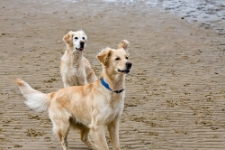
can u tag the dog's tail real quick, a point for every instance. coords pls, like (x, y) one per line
(34, 99)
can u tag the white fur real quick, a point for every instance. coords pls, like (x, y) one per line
(34, 99)
(75, 69)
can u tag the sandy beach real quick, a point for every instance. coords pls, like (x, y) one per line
(175, 93)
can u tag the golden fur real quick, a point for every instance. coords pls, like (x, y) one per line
(74, 67)
(88, 107)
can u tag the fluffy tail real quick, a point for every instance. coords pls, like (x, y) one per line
(34, 99)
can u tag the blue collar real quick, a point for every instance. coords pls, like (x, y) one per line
(107, 86)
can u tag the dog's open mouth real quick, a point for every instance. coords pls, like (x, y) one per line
(124, 71)
(80, 49)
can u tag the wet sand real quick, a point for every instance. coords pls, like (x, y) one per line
(174, 93)
(205, 13)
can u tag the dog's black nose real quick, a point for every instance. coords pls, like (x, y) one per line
(82, 44)
(129, 64)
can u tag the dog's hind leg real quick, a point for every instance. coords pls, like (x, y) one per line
(61, 127)
(63, 140)
(84, 137)
(62, 134)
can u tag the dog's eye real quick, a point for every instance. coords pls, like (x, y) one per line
(126, 57)
(83, 38)
(76, 38)
(117, 58)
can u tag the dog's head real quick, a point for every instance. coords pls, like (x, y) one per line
(76, 40)
(116, 61)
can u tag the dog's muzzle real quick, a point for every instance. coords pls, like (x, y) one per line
(82, 44)
(127, 70)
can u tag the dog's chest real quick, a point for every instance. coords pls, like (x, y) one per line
(117, 101)
(78, 75)
(115, 107)
(77, 71)
(75, 76)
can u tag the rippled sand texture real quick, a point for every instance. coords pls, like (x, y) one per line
(174, 93)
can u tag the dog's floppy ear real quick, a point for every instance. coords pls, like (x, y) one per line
(104, 55)
(124, 44)
(68, 38)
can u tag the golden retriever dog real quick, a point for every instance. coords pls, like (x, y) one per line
(90, 107)
(74, 67)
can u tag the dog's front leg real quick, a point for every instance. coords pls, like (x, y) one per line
(99, 137)
(84, 137)
(113, 129)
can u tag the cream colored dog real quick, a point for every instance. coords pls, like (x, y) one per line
(89, 107)
(75, 69)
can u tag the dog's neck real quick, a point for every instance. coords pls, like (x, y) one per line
(75, 57)
(116, 82)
